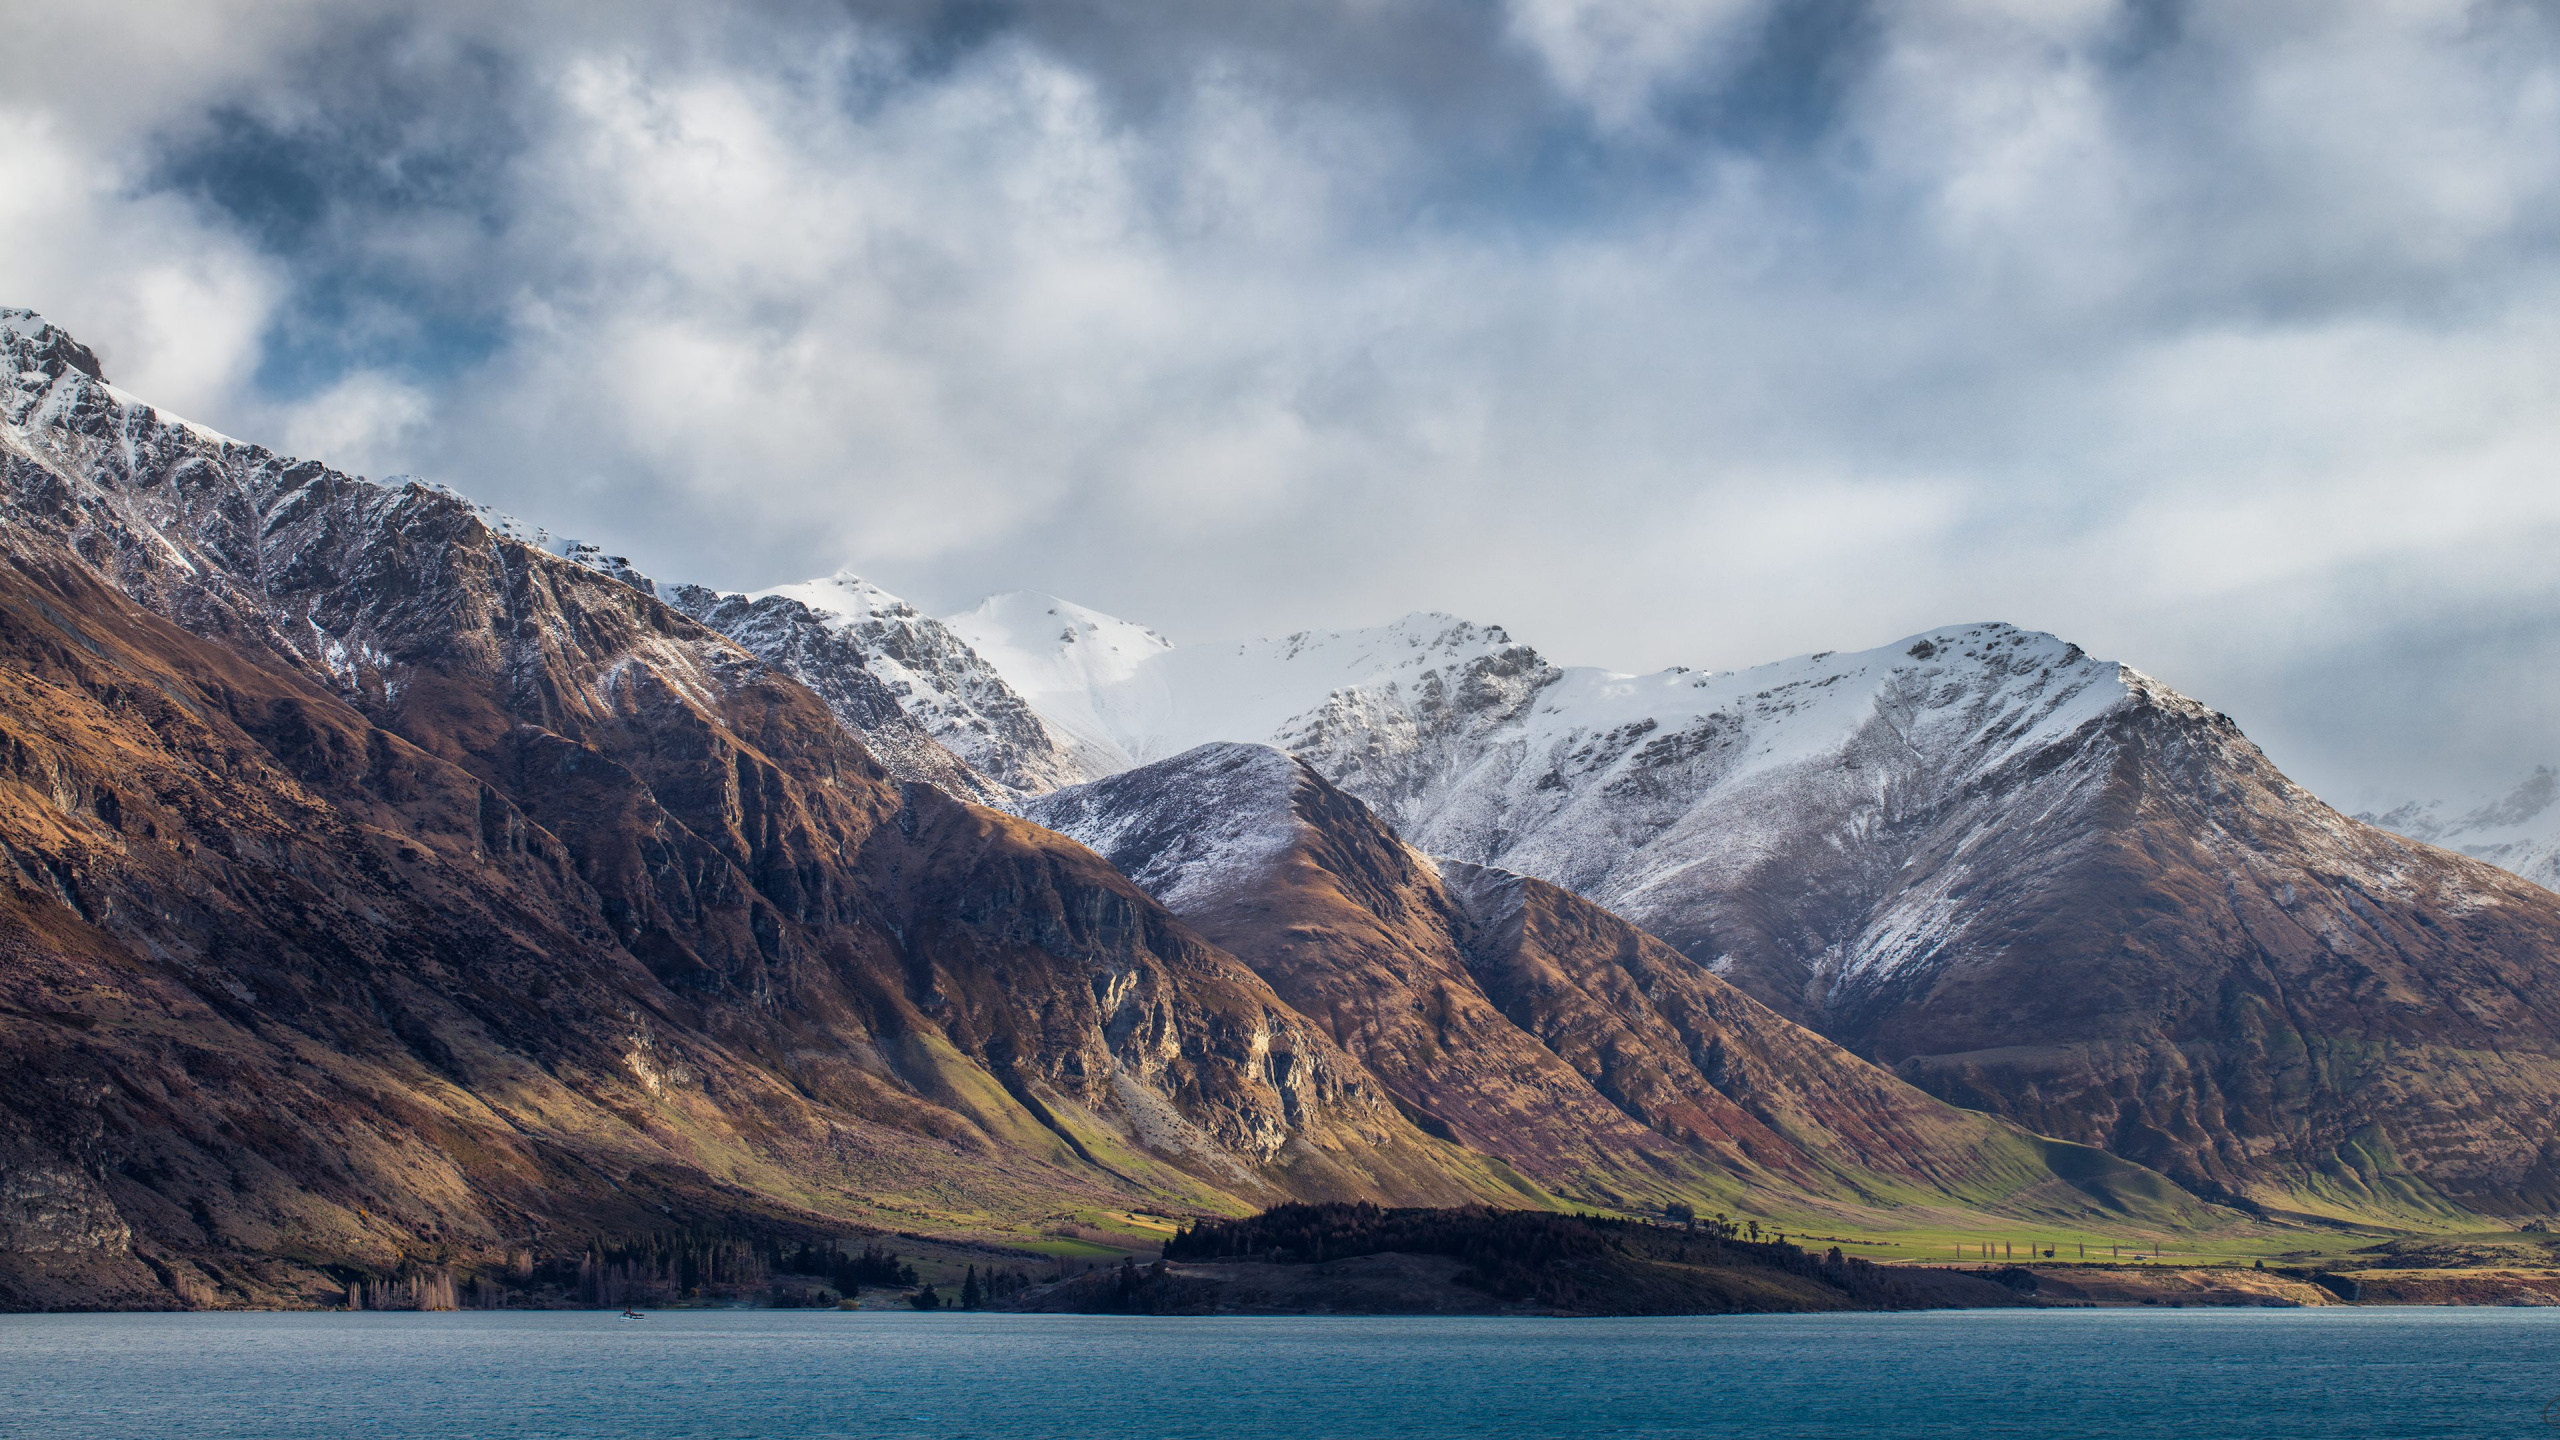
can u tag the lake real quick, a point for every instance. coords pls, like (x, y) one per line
(2391, 1374)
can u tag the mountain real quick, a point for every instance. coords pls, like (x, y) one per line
(1531, 1024)
(2518, 830)
(1136, 698)
(919, 697)
(381, 890)
(388, 887)
(2031, 881)
(1074, 667)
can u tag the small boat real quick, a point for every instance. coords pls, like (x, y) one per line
(633, 1315)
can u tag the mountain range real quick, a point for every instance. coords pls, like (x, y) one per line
(2516, 829)
(390, 883)
(2027, 880)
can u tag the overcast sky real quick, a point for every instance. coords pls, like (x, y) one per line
(2222, 339)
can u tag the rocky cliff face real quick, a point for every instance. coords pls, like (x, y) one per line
(380, 887)
(1532, 1024)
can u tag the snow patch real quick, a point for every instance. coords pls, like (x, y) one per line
(1188, 830)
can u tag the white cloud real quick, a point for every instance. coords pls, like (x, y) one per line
(364, 422)
(1616, 56)
(173, 306)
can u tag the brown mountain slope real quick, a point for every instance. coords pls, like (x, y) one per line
(1532, 1024)
(2181, 955)
(427, 895)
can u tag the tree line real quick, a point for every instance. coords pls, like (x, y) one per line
(614, 1272)
(1573, 1262)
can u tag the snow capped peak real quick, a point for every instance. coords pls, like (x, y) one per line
(1636, 790)
(1076, 643)
(584, 554)
(1133, 697)
(1387, 695)
(1088, 674)
(1417, 641)
(587, 555)
(37, 347)
(843, 599)
(927, 703)
(50, 380)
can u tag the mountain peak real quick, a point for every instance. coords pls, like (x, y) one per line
(1022, 618)
(843, 598)
(40, 345)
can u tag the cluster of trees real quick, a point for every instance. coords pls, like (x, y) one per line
(849, 1270)
(655, 1269)
(975, 1293)
(1574, 1262)
(1718, 1226)
(614, 1272)
(421, 1286)
(1315, 1233)
(1512, 1254)
(426, 1290)
(660, 1268)
(1135, 1289)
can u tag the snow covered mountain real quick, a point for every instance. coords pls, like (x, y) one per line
(1078, 668)
(1028, 693)
(2034, 882)
(2518, 831)
(1657, 795)
(925, 703)
(1136, 698)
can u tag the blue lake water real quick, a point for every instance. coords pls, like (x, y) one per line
(784, 1375)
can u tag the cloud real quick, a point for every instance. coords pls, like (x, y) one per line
(1616, 56)
(362, 422)
(1688, 331)
(175, 305)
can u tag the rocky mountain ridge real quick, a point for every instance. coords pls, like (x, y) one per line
(924, 703)
(563, 899)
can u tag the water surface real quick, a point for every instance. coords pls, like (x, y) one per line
(2338, 1374)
